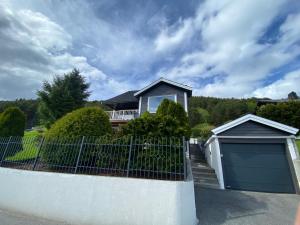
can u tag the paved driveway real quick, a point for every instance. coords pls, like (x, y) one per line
(245, 208)
(11, 218)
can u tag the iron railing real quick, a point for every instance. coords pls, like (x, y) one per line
(140, 157)
(122, 114)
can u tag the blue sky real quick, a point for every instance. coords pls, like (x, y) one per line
(227, 48)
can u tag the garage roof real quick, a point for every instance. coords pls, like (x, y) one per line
(257, 119)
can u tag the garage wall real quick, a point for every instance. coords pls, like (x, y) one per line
(213, 157)
(251, 128)
(96, 200)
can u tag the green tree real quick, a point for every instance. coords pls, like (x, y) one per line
(65, 94)
(287, 113)
(202, 130)
(12, 122)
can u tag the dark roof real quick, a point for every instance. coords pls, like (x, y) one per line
(125, 97)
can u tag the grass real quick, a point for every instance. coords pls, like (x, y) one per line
(298, 144)
(30, 148)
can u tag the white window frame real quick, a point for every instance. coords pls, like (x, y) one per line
(148, 109)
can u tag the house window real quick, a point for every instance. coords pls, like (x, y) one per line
(154, 101)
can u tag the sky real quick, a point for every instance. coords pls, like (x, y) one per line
(222, 48)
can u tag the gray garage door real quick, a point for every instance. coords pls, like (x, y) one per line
(256, 167)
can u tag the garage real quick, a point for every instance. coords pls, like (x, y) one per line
(254, 154)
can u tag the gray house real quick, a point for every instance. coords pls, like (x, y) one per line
(132, 104)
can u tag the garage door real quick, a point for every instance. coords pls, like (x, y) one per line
(256, 167)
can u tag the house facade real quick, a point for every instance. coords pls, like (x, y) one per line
(132, 104)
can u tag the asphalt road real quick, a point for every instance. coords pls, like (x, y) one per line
(241, 207)
(11, 218)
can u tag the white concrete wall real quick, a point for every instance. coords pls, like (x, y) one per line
(83, 199)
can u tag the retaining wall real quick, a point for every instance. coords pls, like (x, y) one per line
(97, 200)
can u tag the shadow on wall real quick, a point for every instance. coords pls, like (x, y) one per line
(219, 206)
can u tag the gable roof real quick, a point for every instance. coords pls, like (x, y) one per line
(125, 97)
(188, 88)
(257, 119)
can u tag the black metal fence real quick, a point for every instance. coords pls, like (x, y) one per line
(140, 157)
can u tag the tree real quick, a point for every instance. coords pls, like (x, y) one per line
(286, 112)
(64, 95)
(292, 96)
(12, 122)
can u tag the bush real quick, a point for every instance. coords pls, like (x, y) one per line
(198, 115)
(156, 126)
(12, 122)
(202, 130)
(90, 121)
(172, 109)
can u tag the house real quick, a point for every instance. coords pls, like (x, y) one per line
(132, 104)
(254, 154)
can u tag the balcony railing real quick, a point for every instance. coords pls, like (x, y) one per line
(123, 115)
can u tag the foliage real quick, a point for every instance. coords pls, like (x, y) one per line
(287, 113)
(12, 122)
(64, 95)
(202, 130)
(29, 107)
(292, 96)
(170, 120)
(298, 144)
(198, 115)
(172, 109)
(219, 110)
(88, 121)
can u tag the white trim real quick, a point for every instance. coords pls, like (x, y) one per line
(258, 119)
(175, 100)
(185, 102)
(292, 148)
(140, 105)
(220, 168)
(166, 81)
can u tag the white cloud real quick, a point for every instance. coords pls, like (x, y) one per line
(229, 47)
(282, 87)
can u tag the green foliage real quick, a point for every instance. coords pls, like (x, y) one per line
(198, 115)
(29, 107)
(287, 113)
(89, 121)
(218, 110)
(12, 122)
(202, 130)
(170, 120)
(64, 95)
(172, 109)
(298, 145)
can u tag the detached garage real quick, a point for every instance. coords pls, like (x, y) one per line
(254, 154)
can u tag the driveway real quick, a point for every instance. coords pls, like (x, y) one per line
(11, 218)
(243, 207)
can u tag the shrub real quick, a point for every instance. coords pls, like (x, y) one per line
(202, 130)
(173, 109)
(156, 126)
(198, 115)
(89, 121)
(12, 122)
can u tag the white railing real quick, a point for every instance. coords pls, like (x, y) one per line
(123, 114)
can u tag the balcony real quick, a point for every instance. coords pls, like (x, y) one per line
(122, 115)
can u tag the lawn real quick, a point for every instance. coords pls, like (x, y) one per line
(298, 144)
(30, 147)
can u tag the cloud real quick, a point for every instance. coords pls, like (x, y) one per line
(281, 88)
(230, 50)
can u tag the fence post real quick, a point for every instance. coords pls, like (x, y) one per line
(80, 151)
(129, 157)
(184, 156)
(38, 153)
(5, 150)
